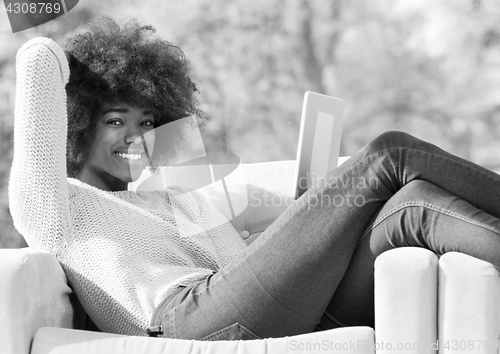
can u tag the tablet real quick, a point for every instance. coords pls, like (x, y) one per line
(319, 140)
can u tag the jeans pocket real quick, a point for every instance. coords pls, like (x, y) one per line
(235, 331)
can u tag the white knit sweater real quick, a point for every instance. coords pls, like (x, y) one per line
(123, 252)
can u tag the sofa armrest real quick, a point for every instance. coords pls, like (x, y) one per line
(406, 301)
(33, 293)
(469, 305)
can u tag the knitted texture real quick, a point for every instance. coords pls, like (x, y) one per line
(123, 252)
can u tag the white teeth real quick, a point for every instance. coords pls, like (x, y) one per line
(129, 156)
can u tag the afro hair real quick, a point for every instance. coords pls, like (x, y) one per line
(131, 65)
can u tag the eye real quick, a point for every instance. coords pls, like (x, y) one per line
(148, 123)
(114, 121)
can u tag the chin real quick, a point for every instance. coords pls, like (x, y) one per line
(134, 174)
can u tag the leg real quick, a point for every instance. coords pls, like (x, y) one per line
(419, 215)
(396, 158)
(282, 283)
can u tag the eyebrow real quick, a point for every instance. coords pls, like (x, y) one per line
(115, 110)
(123, 110)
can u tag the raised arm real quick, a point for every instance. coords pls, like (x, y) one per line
(38, 188)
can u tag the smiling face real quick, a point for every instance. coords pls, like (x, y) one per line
(118, 155)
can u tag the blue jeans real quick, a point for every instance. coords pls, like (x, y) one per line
(312, 269)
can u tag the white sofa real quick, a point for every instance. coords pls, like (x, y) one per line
(422, 303)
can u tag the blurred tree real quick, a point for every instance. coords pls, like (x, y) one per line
(431, 68)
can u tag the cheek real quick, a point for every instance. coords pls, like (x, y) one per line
(102, 148)
(150, 138)
(96, 146)
(107, 140)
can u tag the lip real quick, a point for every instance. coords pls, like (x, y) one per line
(130, 152)
(138, 160)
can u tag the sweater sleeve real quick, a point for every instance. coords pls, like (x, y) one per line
(38, 187)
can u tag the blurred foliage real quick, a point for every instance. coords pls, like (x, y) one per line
(431, 68)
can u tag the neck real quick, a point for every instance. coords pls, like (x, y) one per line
(106, 183)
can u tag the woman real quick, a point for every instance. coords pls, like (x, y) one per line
(164, 263)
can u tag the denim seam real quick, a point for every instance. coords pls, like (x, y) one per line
(401, 148)
(429, 206)
(205, 289)
(171, 322)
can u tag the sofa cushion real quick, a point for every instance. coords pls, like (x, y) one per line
(355, 340)
(271, 190)
(33, 292)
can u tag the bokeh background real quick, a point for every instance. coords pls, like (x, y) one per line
(428, 67)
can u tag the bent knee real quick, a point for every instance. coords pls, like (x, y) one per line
(418, 187)
(391, 139)
(421, 191)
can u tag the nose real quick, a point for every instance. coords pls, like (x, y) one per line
(133, 136)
